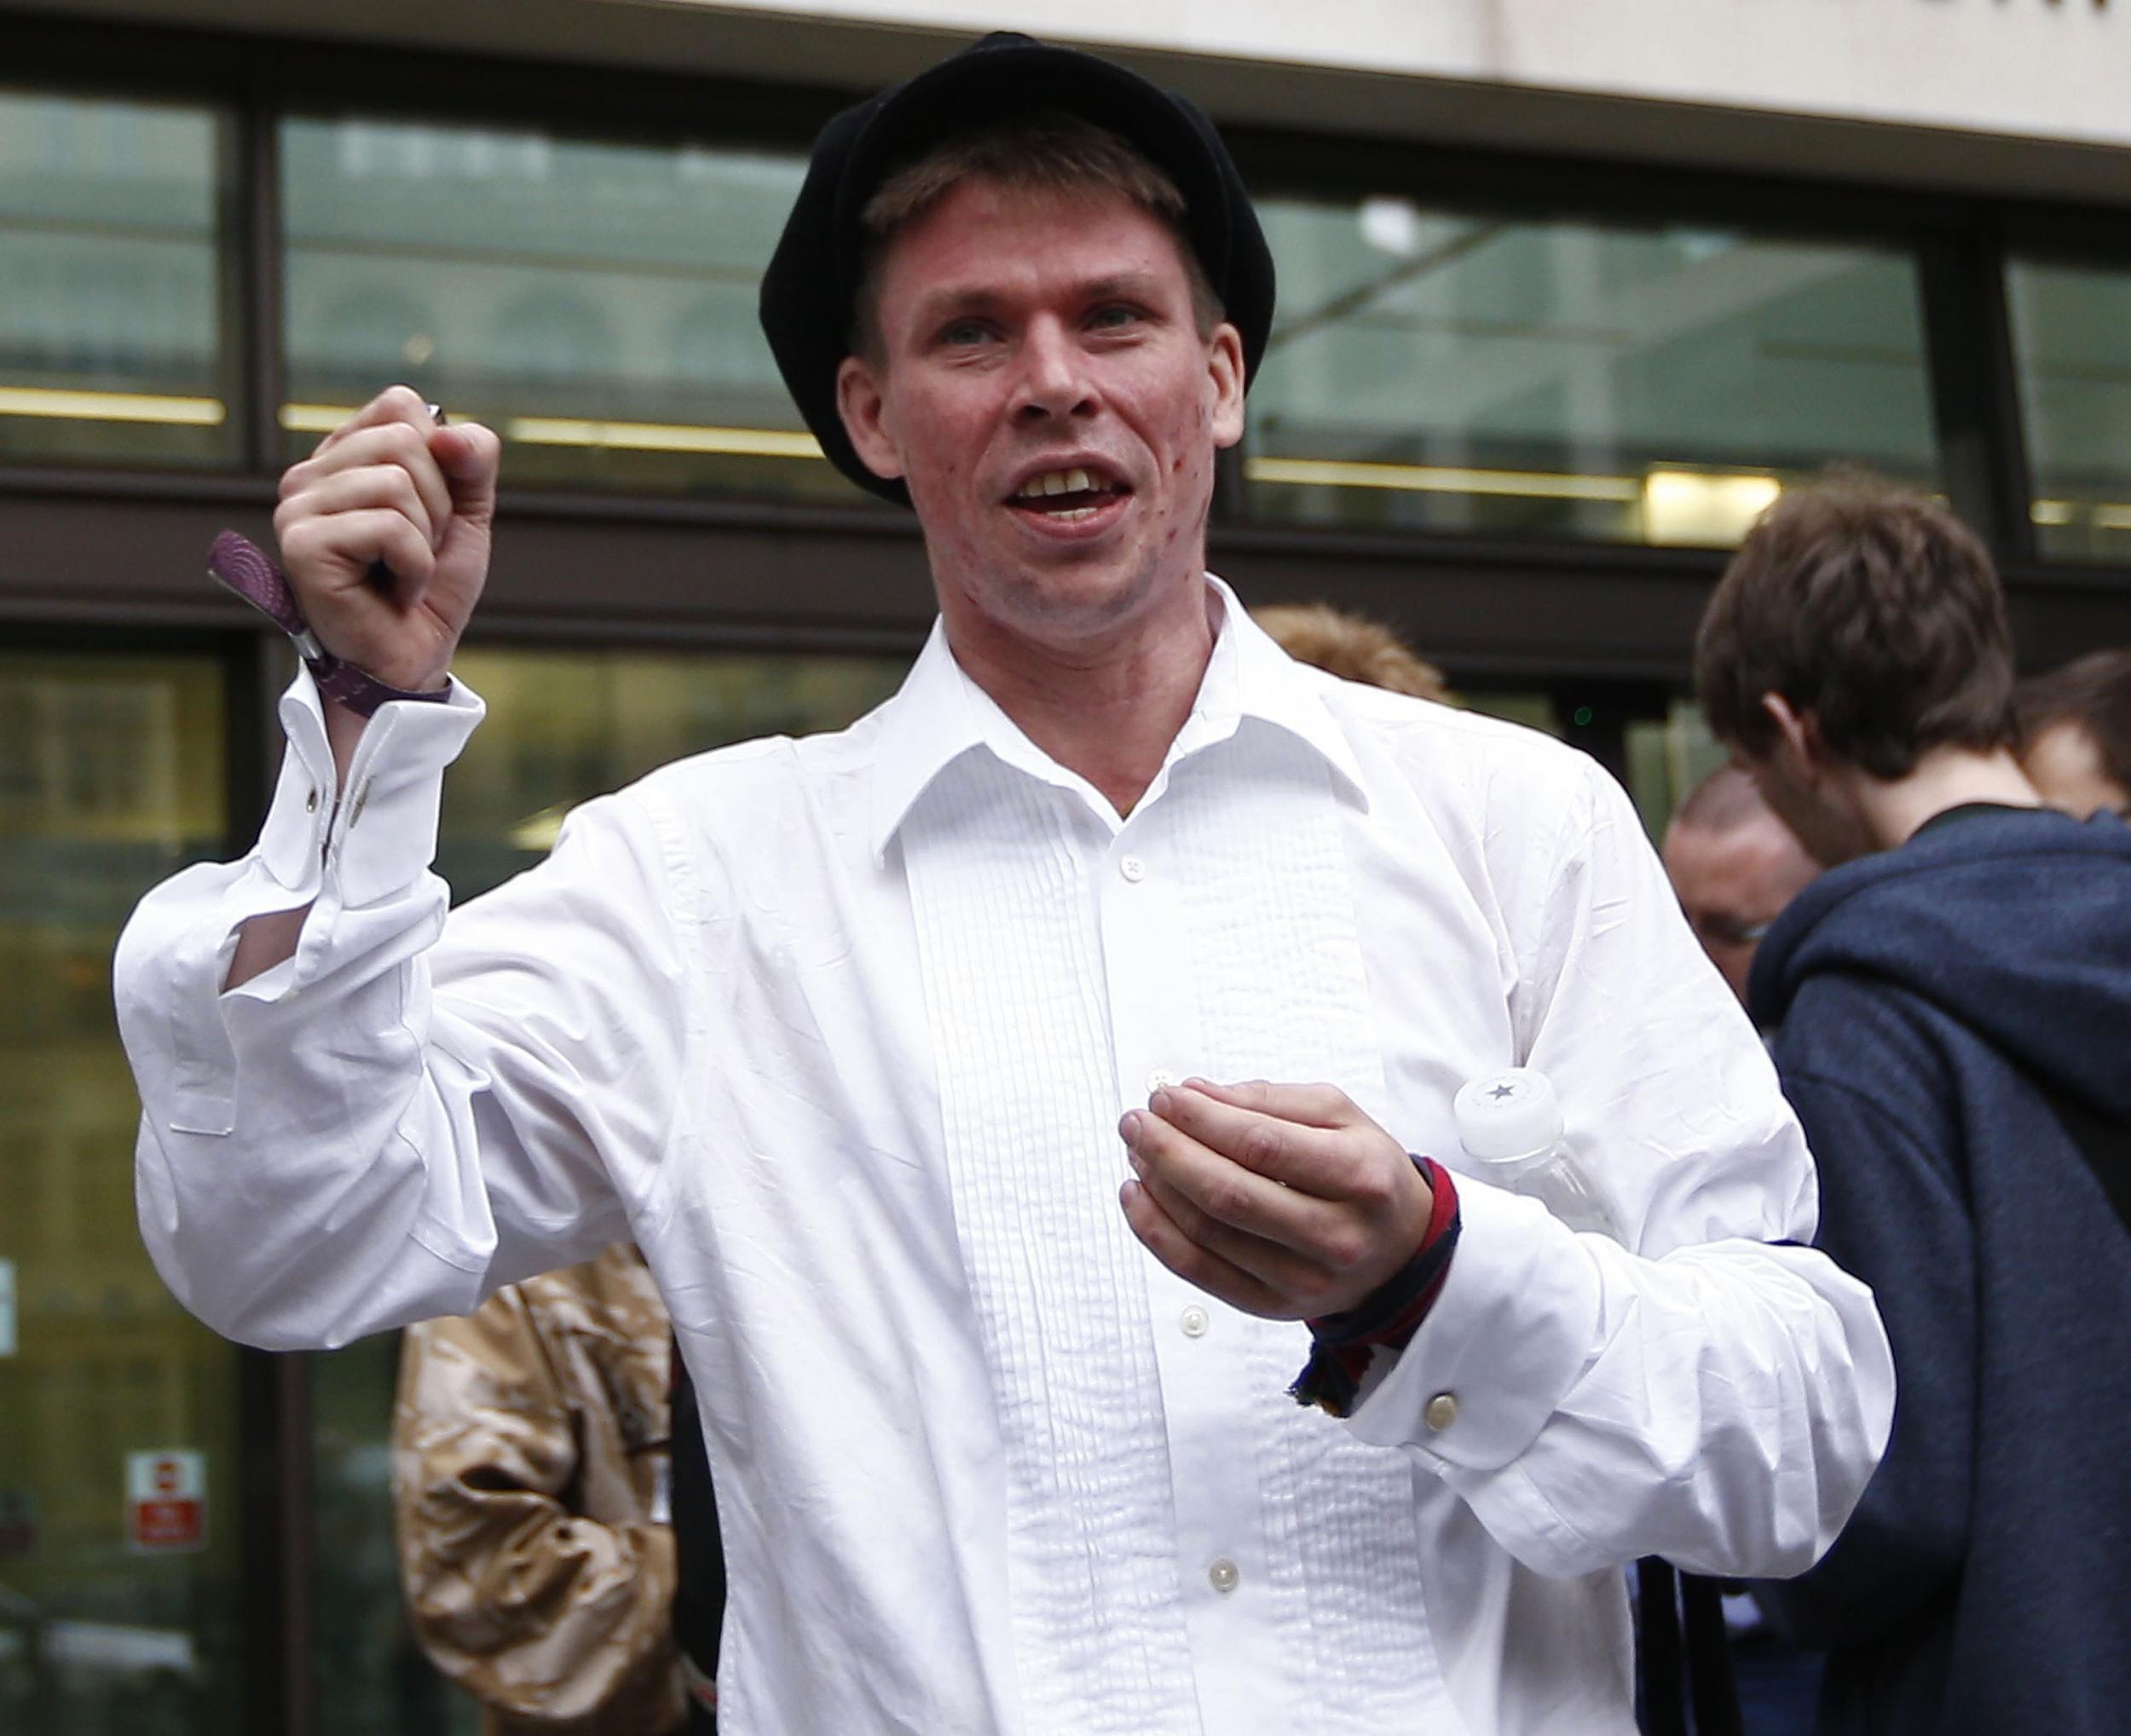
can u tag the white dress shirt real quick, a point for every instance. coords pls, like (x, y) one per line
(838, 1031)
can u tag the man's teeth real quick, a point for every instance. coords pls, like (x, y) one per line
(1076, 481)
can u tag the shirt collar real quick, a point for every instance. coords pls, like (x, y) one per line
(939, 714)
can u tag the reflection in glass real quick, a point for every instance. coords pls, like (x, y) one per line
(594, 303)
(1454, 372)
(2071, 340)
(561, 727)
(1666, 758)
(110, 333)
(110, 780)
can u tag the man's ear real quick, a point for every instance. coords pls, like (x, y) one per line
(1798, 733)
(863, 405)
(1224, 363)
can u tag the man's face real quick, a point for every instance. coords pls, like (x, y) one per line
(1733, 882)
(1044, 391)
(2063, 764)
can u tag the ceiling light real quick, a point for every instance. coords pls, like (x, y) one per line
(1441, 479)
(111, 406)
(1706, 509)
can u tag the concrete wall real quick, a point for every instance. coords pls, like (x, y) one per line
(2021, 97)
(2052, 69)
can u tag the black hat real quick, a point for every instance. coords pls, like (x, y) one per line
(807, 291)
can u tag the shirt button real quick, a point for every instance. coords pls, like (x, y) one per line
(310, 802)
(1133, 869)
(1223, 1576)
(1441, 1411)
(1194, 1320)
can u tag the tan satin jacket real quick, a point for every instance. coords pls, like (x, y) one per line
(529, 1478)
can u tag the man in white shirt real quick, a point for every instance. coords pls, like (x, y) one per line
(889, 1048)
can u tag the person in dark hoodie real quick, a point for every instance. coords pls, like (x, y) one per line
(1952, 1000)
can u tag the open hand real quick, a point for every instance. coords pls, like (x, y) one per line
(390, 486)
(1286, 1201)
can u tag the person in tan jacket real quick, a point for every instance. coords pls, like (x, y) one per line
(529, 1468)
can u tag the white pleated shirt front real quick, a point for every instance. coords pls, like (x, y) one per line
(839, 1030)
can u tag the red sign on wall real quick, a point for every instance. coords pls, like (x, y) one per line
(166, 1500)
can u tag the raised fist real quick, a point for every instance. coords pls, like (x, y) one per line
(384, 533)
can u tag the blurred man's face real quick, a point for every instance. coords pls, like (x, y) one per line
(1733, 882)
(2063, 764)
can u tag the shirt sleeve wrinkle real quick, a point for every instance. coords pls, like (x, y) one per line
(1709, 1397)
(414, 1108)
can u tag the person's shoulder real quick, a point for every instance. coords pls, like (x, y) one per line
(1512, 804)
(1447, 745)
(1872, 1038)
(747, 784)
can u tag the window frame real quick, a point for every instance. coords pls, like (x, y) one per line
(1959, 241)
(2079, 240)
(1624, 197)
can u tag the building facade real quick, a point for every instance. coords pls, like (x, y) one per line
(1569, 290)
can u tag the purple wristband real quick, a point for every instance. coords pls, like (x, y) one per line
(245, 568)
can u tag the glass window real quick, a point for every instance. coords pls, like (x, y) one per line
(1463, 373)
(111, 778)
(2071, 341)
(594, 302)
(110, 284)
(562, 726)
(1666, 758)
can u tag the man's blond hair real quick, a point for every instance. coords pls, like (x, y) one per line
(1050, 151)
(1351, 648)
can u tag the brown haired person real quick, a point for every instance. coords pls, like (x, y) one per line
(900, 1052)
(1950, 1000)
(2076, 734)
(529, 1475)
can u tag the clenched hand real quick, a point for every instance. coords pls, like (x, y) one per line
(390, 486)
(1285, 1200)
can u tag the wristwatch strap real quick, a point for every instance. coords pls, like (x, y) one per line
(246, 568)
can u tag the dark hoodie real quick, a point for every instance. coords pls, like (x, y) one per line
(1942, 1008)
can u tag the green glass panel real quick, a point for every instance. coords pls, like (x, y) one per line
(111, 348)
(594, 303)
(2071, 337)
(110, 780)
(1461, 373)
(562, 726)
(1666, 758)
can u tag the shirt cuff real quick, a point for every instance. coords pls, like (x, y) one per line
(1344, 1348)
(1513, 1330)
(379, 834)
